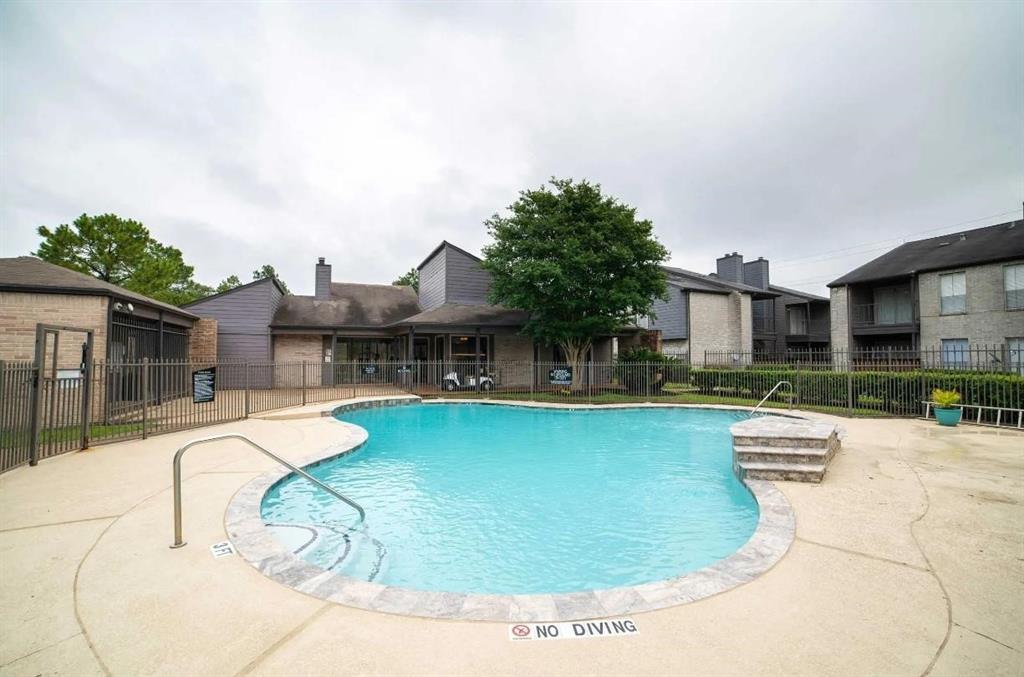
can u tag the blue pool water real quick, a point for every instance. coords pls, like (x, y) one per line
(503, 499)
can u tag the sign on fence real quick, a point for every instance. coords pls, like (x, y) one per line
(204, 385)
(560, 376)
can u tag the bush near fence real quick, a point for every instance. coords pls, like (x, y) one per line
(898, 393)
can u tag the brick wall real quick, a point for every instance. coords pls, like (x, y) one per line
(513, 348)
(293, 348)
(21, 311)
(986, 322)
(719, 323)
(202, 341)
(840, 318)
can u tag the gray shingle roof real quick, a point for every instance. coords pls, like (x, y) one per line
(350, 305)
(796, 292)
(469, 314)
(29, 274)
(688, 279)
(991, 244)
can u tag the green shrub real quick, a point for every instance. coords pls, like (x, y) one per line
(945, 399)
(645, 372)
(899, 392)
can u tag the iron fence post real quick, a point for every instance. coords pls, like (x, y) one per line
(145, 396)
(849, 390)
(302, 367)
(87, 373)
(246, 382)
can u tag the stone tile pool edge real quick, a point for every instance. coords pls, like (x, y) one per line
(244, 524)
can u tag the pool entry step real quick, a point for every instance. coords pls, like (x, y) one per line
(779, 448)
(335, 547)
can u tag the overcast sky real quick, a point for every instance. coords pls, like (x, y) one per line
(815, 135)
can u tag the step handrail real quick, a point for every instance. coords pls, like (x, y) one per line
(770, 393)
(178, 542)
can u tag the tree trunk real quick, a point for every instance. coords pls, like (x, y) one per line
(575, 352)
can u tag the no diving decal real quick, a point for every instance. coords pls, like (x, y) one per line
(612, 627)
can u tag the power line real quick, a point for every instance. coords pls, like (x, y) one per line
(826, 254)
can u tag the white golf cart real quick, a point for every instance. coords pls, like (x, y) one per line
(451, 382)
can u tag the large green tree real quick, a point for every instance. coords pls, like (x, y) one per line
(122, 252)
(410, 279)
(579, 262)
(266, 271)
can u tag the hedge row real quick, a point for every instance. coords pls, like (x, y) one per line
(895, 392)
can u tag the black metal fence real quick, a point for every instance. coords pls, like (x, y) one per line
(996, 358)
(42, 416)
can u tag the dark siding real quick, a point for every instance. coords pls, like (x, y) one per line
(432, 281)
(322, 282)
(730, 267)
(466, 281)
(243, 320)
(671, 315)
(755, 273)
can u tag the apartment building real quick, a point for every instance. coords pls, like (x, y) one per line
(956, 293)
(736, 310)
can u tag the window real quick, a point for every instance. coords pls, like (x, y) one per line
(1013, 283)
(953, 293)
(797, 320)
(464, 348)
(955, 352)
(1015, 346)
(893, 305)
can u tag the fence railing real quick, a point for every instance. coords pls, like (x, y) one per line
(41, 417)
(994, 358)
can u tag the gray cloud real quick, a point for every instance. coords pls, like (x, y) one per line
(276, 133)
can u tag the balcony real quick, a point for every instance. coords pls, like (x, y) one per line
(801, 329)
(764, 325)
(884, 318)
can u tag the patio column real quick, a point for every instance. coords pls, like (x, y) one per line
(334, 354)
(476, 350)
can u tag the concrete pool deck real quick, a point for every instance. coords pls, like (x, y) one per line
(908, 557)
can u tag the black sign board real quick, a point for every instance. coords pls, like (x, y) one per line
(560, 376)
(204, 385)
(369, 369)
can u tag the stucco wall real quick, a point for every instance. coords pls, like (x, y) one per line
(20, 312)
(986, 322)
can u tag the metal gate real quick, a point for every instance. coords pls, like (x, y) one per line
(61, 394)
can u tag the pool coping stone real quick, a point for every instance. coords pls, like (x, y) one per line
(243, 521)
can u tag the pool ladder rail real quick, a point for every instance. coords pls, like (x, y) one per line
(178, 542)
(770, 393)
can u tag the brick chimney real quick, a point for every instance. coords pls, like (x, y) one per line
(755, 273)
(323, 280)
(730, 267)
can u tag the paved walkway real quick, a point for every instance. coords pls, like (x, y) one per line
(908, 558)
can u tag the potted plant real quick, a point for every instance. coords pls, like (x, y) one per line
(946, 411)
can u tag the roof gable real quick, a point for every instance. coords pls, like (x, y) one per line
(254, 283)
(438, 248)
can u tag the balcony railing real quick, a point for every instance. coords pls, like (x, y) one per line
(764, 325)
(800, 326)
(882, 314)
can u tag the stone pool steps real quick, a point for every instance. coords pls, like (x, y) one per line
(780, 449)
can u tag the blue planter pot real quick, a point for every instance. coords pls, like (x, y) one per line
(949, 416)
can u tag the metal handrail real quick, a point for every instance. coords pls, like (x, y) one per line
(178, 542)
(770, 393)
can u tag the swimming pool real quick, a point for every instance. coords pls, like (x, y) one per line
(491, 499)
